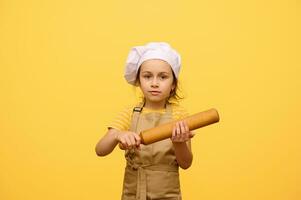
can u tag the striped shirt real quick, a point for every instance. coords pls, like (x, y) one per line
(123, 119)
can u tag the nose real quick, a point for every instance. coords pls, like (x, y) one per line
(154, 82)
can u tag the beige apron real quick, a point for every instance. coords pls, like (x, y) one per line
(152, 172)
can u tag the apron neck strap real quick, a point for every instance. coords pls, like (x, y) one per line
(141, 105)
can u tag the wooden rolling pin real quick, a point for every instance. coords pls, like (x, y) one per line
(164, 131)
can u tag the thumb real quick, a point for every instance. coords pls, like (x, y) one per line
(191, 134)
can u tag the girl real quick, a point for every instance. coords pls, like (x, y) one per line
(151, 170)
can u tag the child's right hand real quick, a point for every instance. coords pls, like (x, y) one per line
(128, 140)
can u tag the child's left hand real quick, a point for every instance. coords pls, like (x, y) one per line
(180, 132)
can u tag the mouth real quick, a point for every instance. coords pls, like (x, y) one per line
(155, 93)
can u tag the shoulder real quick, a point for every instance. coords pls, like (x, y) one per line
(127, 110)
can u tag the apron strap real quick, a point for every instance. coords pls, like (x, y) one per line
(135, 115)
(168, 108)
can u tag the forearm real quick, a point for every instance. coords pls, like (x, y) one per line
(107, 144)
(183, 154)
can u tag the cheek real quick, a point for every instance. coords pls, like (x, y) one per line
(143, 85)
(168, 87)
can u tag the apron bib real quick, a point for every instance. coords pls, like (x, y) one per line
(152, 172)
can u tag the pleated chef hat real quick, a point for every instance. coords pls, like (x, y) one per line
(152, 50)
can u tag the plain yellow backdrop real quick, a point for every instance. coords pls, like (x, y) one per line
(61, 82)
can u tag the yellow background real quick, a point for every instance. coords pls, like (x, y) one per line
(61, 81)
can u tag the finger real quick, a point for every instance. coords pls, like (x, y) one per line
(175, 131)
(137, 139)
(128, 142)
(187, 136)
(123, 142)
(186, 126)
(183, 131)
(173, 135)
(178, 130)
(181, 126)
(121, 145)
(180, 133)
(132, 139)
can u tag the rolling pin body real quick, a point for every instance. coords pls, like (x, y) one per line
(164, 131)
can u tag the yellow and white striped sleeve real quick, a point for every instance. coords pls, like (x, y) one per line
(122, 120)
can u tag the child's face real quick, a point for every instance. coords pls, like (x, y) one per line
(156, 80)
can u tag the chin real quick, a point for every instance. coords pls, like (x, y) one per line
(156, 99)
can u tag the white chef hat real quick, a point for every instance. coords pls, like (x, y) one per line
(152, 50)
